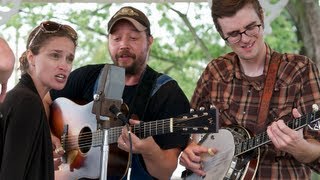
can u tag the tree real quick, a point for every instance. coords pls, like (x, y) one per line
(306, 17)
(189, 43)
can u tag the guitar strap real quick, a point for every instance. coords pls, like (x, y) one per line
(267, 91)
(150, 82)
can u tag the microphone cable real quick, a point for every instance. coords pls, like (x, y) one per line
(114, 110)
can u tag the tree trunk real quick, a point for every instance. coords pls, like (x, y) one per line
(306, 16)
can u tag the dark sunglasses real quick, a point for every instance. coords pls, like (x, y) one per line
(53, 27)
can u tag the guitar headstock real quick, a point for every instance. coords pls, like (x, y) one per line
(197, 121)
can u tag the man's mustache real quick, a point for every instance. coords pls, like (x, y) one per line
(125, 53)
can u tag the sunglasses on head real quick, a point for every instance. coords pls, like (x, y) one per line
(51, 27)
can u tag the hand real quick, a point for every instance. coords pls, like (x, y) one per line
(124, 141)
(58, 151)
(191, 159)
(3, 91)
(139, 146)
(289, 140)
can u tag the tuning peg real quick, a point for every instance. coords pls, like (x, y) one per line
(315, 107)
(212, 106)
(191, 110)
(201, 108)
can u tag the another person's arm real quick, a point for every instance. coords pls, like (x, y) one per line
(6, 66)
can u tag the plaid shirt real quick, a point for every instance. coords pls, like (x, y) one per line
(237, 97)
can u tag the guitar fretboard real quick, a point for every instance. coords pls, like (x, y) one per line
(263, 138)
(142, 130)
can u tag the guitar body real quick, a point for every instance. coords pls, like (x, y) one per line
(224, 165)
(76, 126)
(77, 121)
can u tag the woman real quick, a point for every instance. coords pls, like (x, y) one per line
(25, 141)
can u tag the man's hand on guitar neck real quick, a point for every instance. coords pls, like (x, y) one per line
(191, 157)
(292, 141)
(160, 163)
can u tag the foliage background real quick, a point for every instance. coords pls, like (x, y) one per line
(185, 37)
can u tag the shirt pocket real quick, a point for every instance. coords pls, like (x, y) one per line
(284, 100)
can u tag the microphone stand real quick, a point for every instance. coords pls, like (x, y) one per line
(104, 155)
(108, 91)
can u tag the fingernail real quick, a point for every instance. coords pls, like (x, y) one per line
(210, 152)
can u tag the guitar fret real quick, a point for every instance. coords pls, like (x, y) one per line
(144, 130)
(154, 129)
(263, 138)
(150, 129)
(162, 126)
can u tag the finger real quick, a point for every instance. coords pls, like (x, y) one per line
(193, 166)
(58, 152)
(121, 143)
(133, 121)
(188, 163)
(192, 153)
(281, 134)
(287, 134)
(55, 142)
(296, 113)
(57, 163)
(212, 151)
(272, 137)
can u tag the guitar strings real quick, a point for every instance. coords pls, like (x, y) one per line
(263, 138)
(88, 139)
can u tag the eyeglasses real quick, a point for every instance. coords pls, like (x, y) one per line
(236, 37)
(51, 27)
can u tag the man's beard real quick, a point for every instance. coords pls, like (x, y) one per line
(132, 69)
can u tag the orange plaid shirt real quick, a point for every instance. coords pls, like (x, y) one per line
(237, 97)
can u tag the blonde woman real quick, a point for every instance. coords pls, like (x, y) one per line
(25, 141)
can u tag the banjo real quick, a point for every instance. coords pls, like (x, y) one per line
(238, 152)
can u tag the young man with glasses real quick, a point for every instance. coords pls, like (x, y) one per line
(236, 84)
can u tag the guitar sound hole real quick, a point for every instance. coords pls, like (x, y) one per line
(85, 139)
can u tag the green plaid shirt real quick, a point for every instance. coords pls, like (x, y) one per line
(237, 97)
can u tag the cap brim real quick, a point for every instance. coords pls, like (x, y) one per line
(135, 23)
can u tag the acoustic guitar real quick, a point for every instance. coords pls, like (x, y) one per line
(76, 127)
(238, 151)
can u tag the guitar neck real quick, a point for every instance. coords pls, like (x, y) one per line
(141, 130)
(263, 138)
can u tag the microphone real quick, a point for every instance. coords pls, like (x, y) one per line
(109, 90)
(114, 110)
(107, 102)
